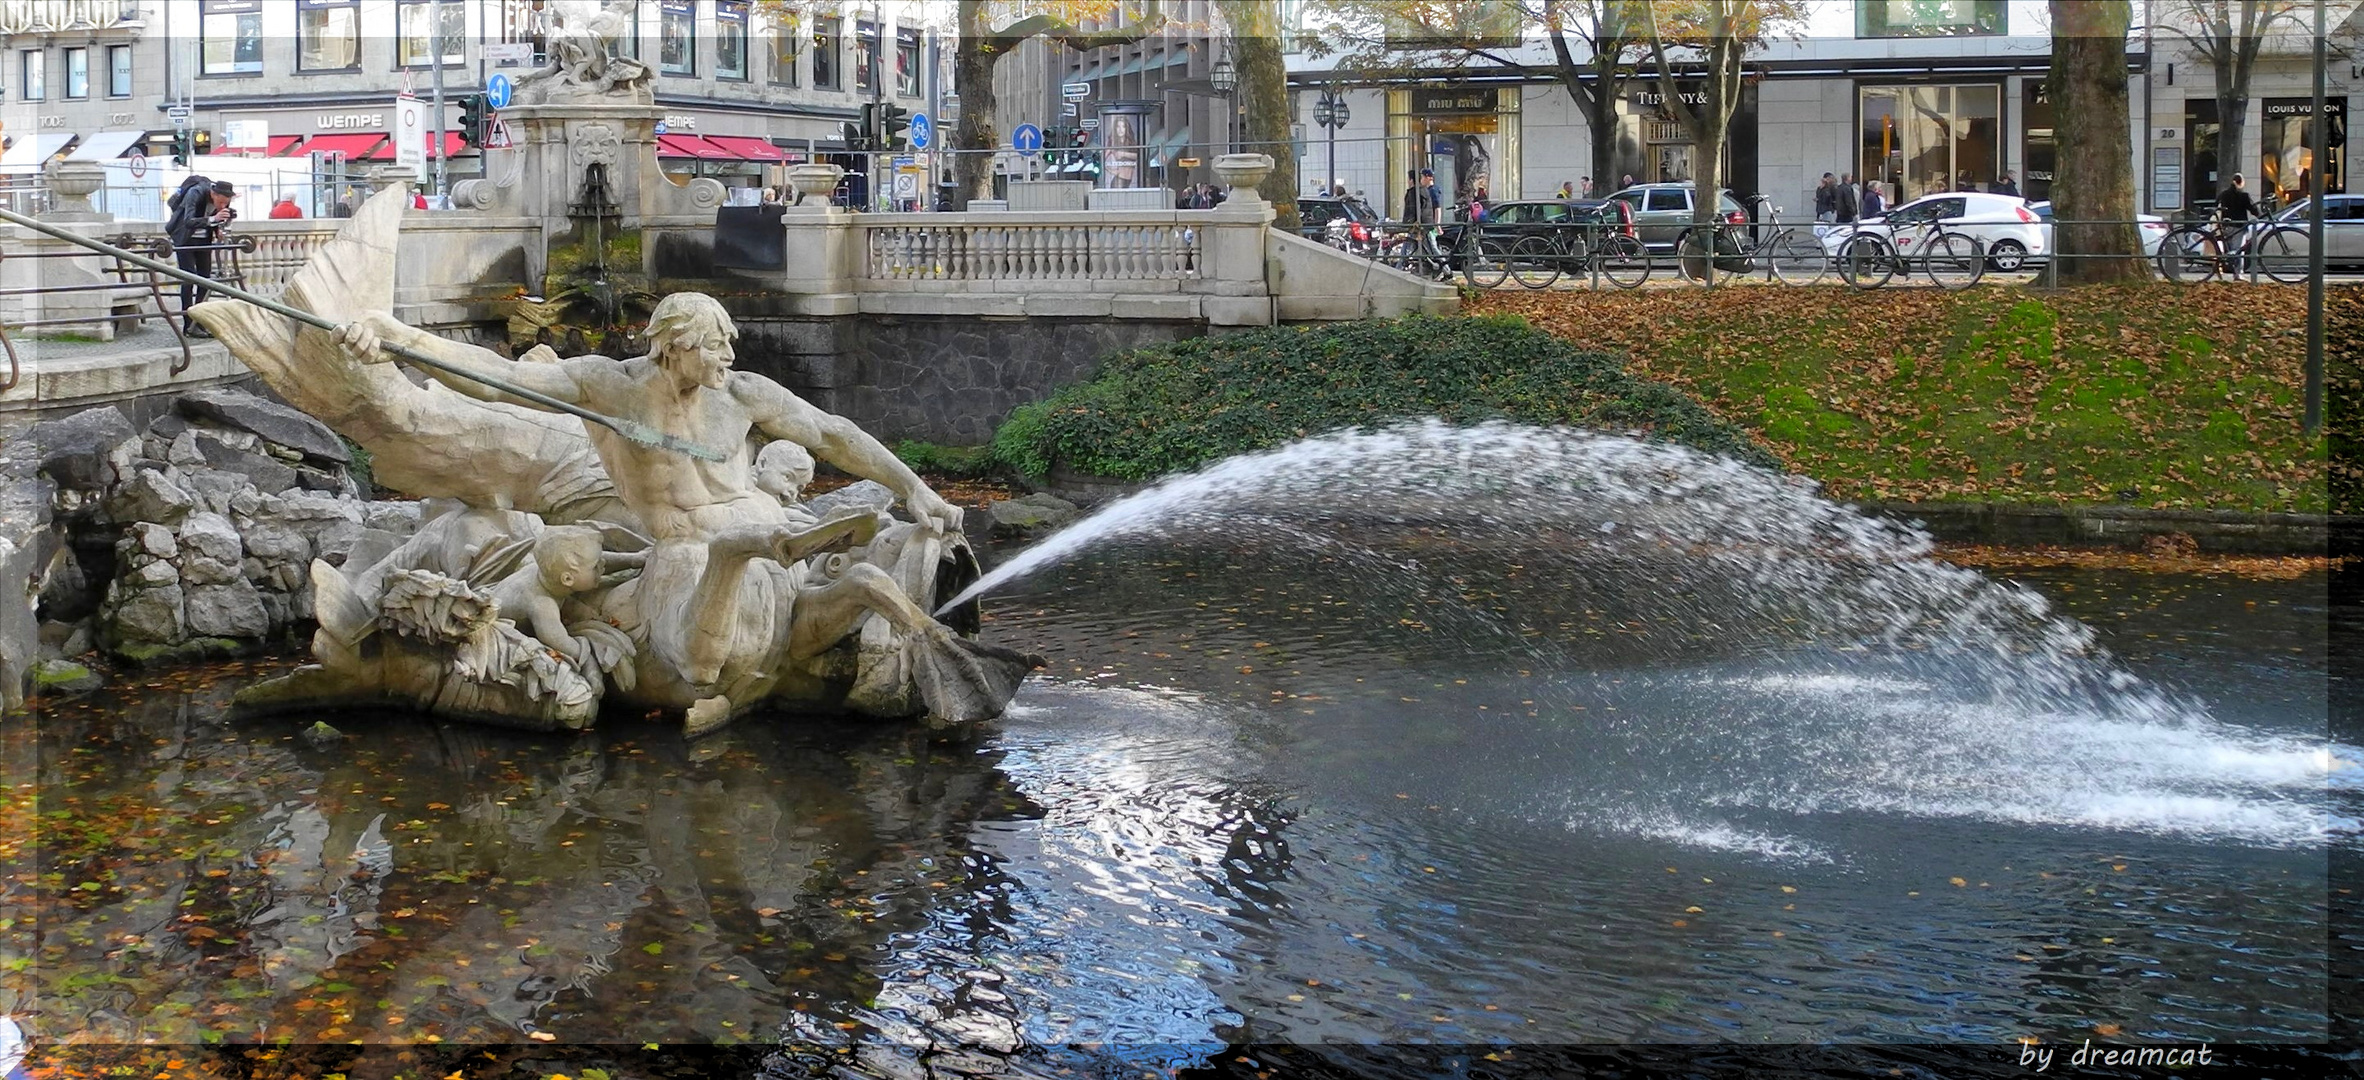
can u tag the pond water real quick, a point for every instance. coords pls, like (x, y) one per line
(1245, 803)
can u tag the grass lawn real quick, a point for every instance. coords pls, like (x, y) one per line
(2156, 395)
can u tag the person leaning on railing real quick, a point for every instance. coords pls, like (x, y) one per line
(200, 211)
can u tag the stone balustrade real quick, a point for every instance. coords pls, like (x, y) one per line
(934, 249)
(281, 247)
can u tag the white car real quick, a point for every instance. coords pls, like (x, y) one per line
(2154, 228)
(2011, 232)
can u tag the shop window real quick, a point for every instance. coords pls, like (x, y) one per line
(418, 32)
(907, 62)
(2291, 150)
(2203, 171)
(677, 38)
(328, 35)
(866, 56)
(35, 68)
(78, 73)
(1928, 18)
(828, 31)
(230, 37)
(730, 39)
(118, 71)
(1918, 140)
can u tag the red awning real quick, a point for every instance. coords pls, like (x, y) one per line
(278, 145)
(453, 146)
(691, 146)
(748, 147)
(355, 145)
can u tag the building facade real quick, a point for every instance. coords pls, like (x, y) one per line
(1922, 97)
(1145, 113)
(746, 87)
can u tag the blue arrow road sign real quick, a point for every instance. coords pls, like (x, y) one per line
(1026, 139)
(923, 131)
(496, 92)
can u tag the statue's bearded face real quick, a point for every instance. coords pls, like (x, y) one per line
(702, 354)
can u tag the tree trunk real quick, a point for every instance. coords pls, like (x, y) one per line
(973, 57)
(1263, 98)
(2093, 180)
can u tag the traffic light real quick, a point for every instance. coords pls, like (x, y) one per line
(851, 133)
(1080, 138)
(181, 148)
(869, 127)
(893, 121)
(200, 141)
(475, 109)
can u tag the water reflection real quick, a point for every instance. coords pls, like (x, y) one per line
(1247, 804)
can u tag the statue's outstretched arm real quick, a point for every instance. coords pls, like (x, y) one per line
(835, 439)
(364, 335)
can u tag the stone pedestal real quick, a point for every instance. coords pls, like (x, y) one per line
(554, 149)
(51, 264)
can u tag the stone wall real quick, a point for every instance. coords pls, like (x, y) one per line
(937, 379)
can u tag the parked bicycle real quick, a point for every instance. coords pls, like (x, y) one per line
(1949, 258)
(1593, 249)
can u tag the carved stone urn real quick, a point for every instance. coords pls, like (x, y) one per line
(814, 179)
(71, 184)
(1242, 172)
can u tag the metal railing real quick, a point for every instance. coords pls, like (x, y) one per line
(129, 287)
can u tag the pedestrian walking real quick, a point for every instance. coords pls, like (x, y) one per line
(1873, 205)
(286, 208)
(2007, 186)
(1826, 200)
(1846, 201)
(1584, 189)
(1419, 198)
(200, 211)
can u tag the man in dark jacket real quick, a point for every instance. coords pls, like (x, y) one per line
(1826, 199)
(2007, 185)
(1846, 201)
(200, 211)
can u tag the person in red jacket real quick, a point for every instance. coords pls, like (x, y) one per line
(286, 208)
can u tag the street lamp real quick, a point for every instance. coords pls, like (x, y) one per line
(1331, 112)
(1225, 79)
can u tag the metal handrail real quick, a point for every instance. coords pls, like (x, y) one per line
(127, 275)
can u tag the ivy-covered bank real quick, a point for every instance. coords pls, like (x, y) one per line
(1174, 407)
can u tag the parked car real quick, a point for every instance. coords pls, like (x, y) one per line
(1506, 222)
(1662, 211)
(2343, 228)
(2009, 228)
(2154, 229)
(1317, 212)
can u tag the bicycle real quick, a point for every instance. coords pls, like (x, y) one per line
(2281, 250)
(2200, 251)
(1538, 259)
(1482, 263)
(1949, 258)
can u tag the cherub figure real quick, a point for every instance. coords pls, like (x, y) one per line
(782, 470)
(566, 560)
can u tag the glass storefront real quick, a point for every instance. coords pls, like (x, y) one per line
(1923, 139)
(2288, 154)
(2204, 175)
(2036, 160)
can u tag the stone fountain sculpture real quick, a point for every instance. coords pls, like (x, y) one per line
(561, 565)
(584, 63)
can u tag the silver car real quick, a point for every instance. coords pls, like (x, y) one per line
(1661, 212)
(2343, 229)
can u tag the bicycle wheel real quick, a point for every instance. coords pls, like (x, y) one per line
(1954, 261)
(2189, 255)
(1535, 262)
(2282, 254)
(1485, 264)
(1867, 261)
(1695, 255)
(1797, 258)
(1624, 261)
